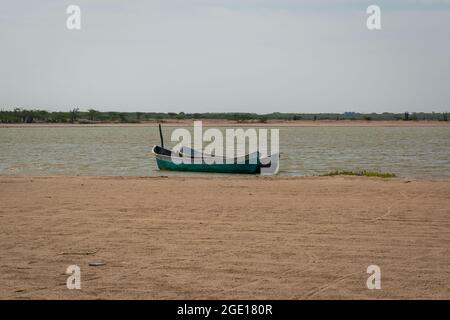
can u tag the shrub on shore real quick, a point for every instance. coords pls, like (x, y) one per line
(363, 173)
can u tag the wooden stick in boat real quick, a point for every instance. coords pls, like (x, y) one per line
(161, 136)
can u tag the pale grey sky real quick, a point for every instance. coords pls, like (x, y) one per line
(226, 56)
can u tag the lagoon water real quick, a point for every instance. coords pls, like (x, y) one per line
(418, 152)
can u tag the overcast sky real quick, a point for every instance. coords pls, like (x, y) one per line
(226, 56)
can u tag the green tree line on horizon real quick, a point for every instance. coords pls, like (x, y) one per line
(18, 115)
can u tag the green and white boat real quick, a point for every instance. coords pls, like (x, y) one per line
(191, 160)
(181, 161)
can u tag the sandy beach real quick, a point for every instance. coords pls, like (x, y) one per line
(223, 238)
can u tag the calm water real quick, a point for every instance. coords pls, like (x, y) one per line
(422, 152)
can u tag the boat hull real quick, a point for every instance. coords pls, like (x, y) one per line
(244, 168)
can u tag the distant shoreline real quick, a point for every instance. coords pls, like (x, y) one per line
(233, 123)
